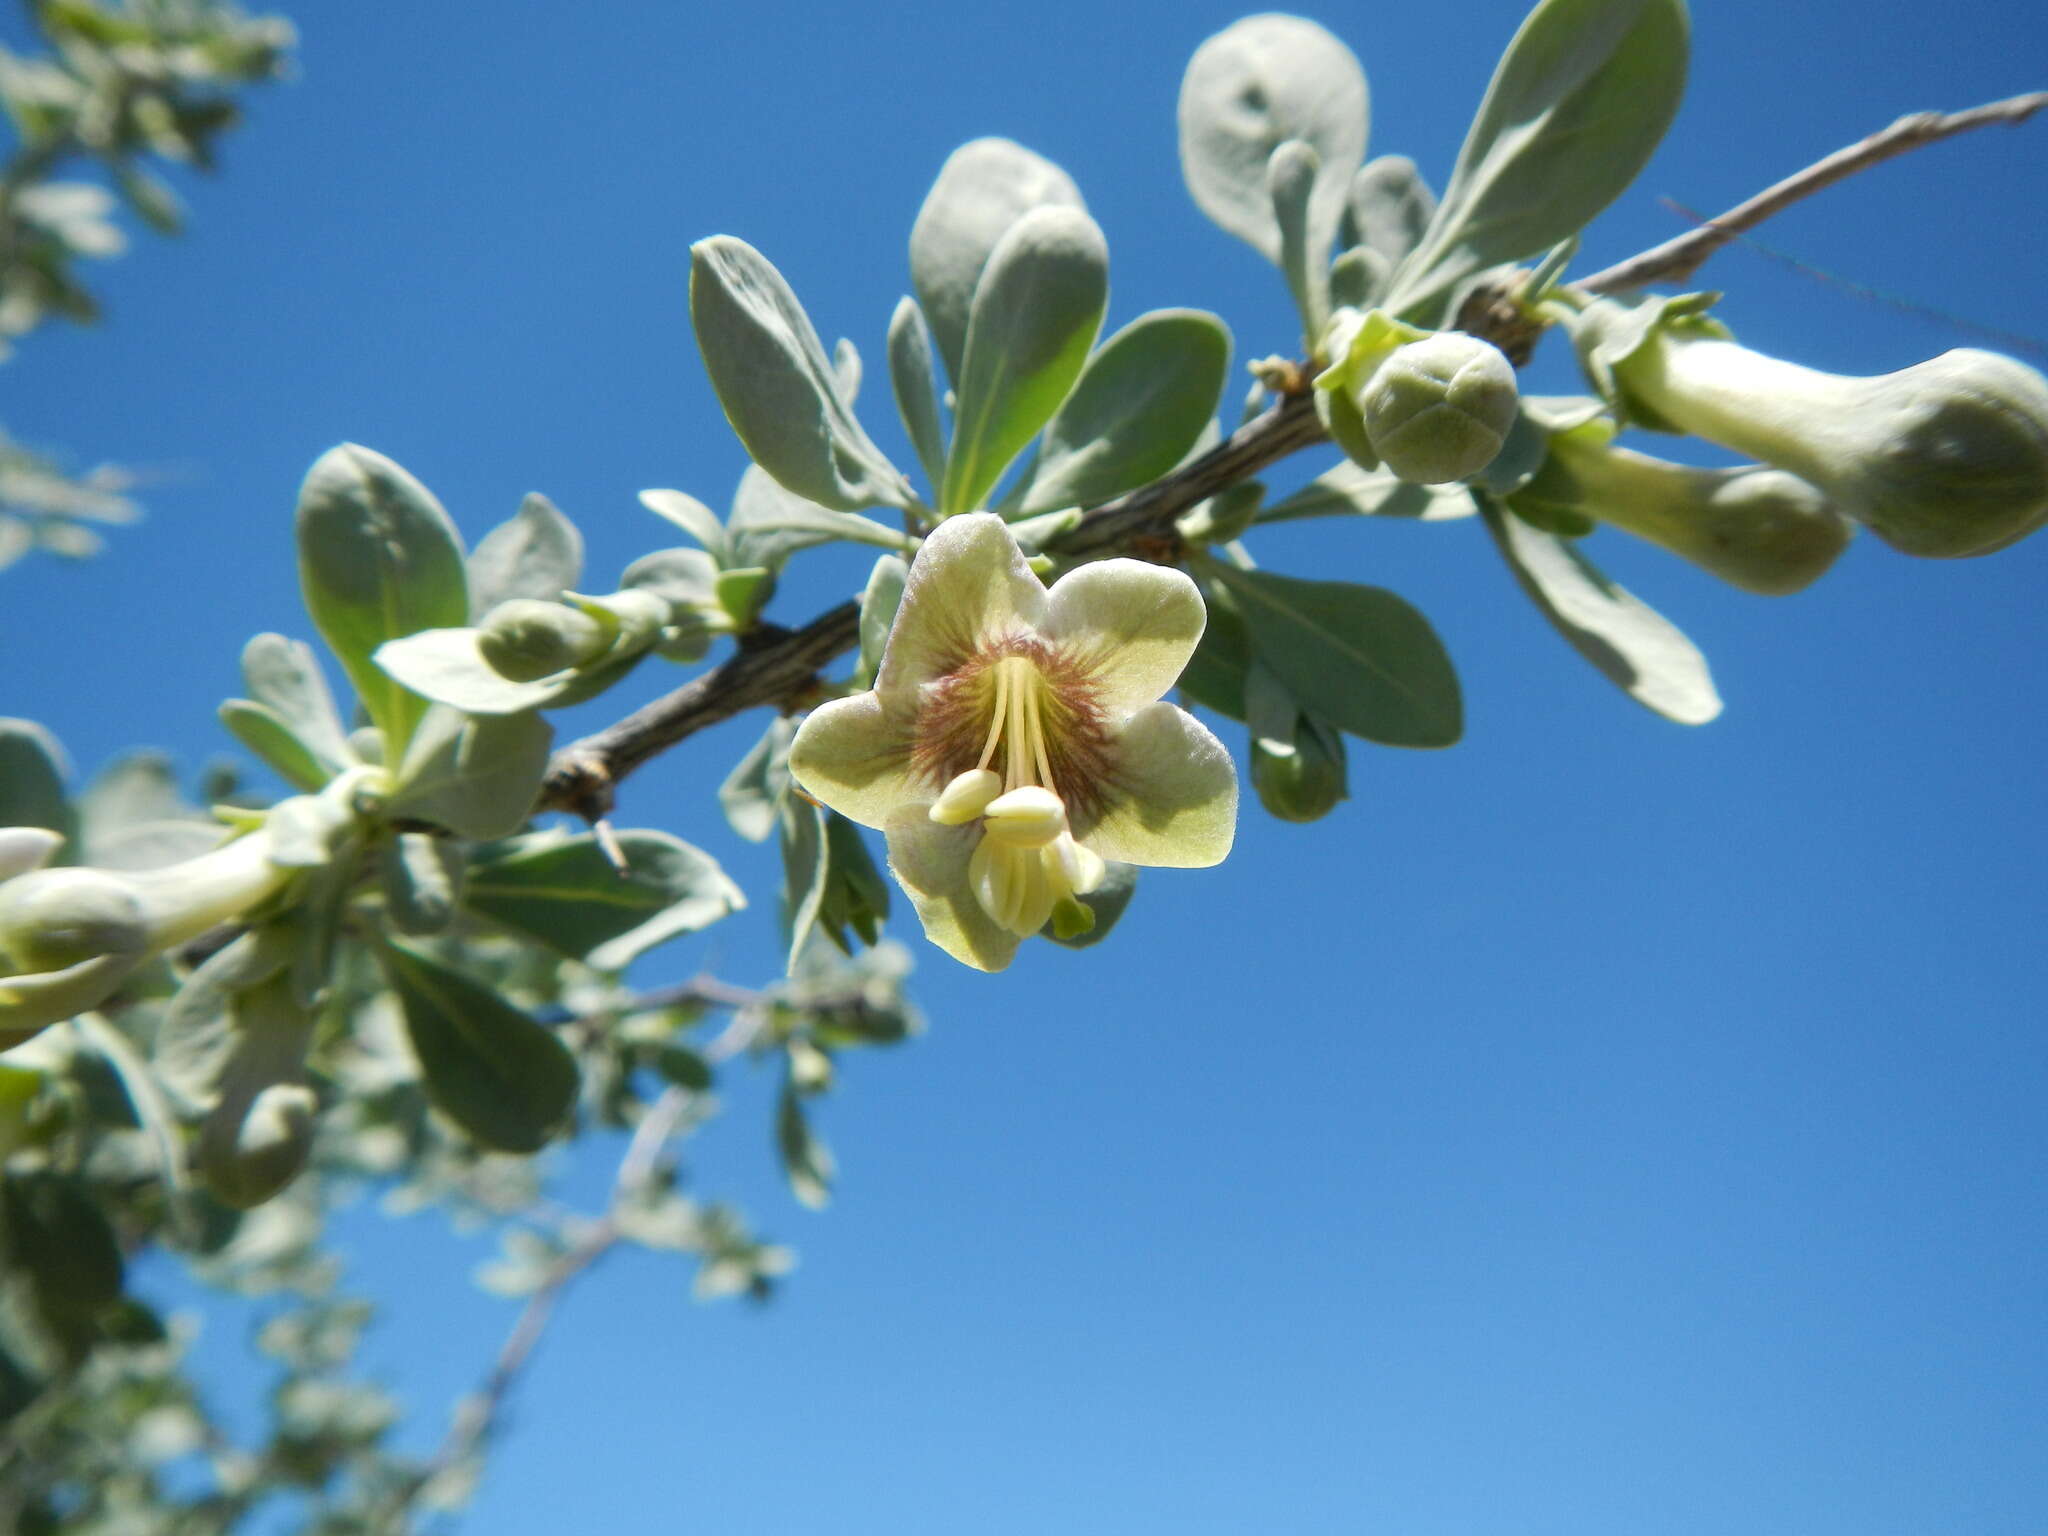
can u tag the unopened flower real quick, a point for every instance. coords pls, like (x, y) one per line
(1015, 740)
(1944, 459)
(70, 936)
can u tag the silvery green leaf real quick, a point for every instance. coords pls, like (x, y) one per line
(32, 773)
(445, 665)
(1290, 182)
(264, 732)
(685, 578)
(693, 517)
(1633, 645)
(157, 844)
(1576, 106)
(855, 896)
(560, 890)
(1347, 490)
(878, 605)
(776, 385)
(284, 677)
(1521, 455)
(916, 389)
(984, 187)
(1141, 403)
(378, 560)
(1249, 89)
(17, 538)
(422, 877)
(1389, 207)
(805, 1159)
(1357, 656)
(752, 793)
(1358, 278)
(806, 872)
(1035, 316)
(197, 1037)
(846, 373)
(536, 553)
(476, 775)
(770, 523)
(1216, 675)
(491, 1069)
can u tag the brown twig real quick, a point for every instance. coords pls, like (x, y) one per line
(1677, 259)
(777, 666)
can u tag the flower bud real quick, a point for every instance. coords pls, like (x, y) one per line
(1945, 459)
(25, 848)
(247, 1158)
(524, 638)
(1438, 409)
(52, 919)
(1305, 784)
(1759, 529)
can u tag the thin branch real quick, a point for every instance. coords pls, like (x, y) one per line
(777, 666)
(1676, 260)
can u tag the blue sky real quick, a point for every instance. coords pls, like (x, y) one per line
(1601, 1127)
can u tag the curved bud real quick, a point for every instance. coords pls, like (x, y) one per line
(1945, 459)
(52, 919)
(31, 1003)
(248, 1157)
(1763, 530)
(524, 638)
(1438, 409)
(182, 901)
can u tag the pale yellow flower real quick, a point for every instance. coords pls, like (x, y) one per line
(1015, 739)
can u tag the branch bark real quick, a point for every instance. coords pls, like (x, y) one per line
(777, 666)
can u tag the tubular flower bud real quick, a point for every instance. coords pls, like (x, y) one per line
(523, 639)
(70, 937)
(1438, 409)
(1759, 529)
(1015, 740)
(1945, 459)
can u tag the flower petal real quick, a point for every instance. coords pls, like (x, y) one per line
(1173, 802)
(930, 862)
(968, 583)
(854, 755)
(1132, 625)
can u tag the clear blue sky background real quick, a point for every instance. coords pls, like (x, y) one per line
(1601, 1127)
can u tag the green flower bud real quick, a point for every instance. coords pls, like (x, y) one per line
(1945, 459)
(1304, 784)
(1762, 530)
(52, 919)
(248, 1158)
(524, 638)
(1438, 409)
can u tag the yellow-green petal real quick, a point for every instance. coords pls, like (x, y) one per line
(854, 755)
(1133, 626)
(968, 584)
(930, 862)
(1174, 798)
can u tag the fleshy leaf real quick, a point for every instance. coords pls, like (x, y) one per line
(1248, 90)
(492, 1070)
(476, 775)
(751, 795)
(916, 389)
(560, 891)
(284, 677)
(536, 553)
(777, 386)
(1358, 656)
(984, 187)
(1349, 490)
(1576, 107)
(32, 772)
(693, 517)
(1036, 312)
(378, 560)
(1139, 406)
(1633, 645)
